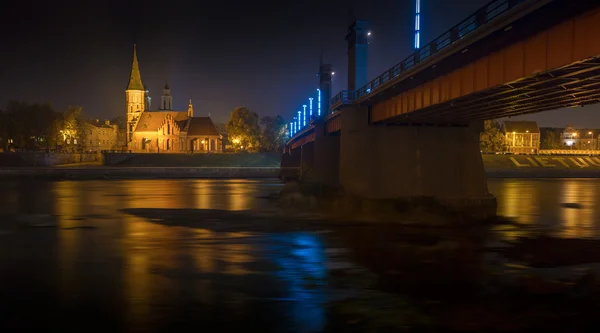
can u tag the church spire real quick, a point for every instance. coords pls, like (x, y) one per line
(135, 78)
(190, 109)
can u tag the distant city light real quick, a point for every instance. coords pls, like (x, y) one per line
(332, 73)
(319, 103)
(569, 143)
(369, 33)
(304, 118)
(310, 99)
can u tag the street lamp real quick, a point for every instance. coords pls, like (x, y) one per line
(304, 120)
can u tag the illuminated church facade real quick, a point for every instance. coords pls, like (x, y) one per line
(165, 130)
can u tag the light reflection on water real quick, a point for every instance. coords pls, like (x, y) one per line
(560, 207)
(155, 275)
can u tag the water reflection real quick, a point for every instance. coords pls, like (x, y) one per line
(578, 221)
(561, 207)
(156, 274)
(302, 261)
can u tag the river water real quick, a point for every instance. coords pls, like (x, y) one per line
(88, 256)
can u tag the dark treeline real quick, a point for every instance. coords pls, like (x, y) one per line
(38, 126)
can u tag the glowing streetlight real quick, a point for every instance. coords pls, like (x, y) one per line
(369, 33)
(304, 118)
(310, 99)
(299, 120)
(418, 24)
(319, 103)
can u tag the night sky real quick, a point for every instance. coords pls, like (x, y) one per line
(222, 54)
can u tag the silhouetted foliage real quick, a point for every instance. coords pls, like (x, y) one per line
(551, 138)
(491, 139)
(37, 126)
(243, 129)
(274, 134)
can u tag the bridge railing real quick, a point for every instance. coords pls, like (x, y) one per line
(484, 15)
(344, 97)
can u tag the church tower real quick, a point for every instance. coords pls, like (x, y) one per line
(166, 101)
(190, 109)
(134, 97)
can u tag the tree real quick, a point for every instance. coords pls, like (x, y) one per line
(491, 139)
(243, 129)
(274, 134)
(551, 139)
(73, 126)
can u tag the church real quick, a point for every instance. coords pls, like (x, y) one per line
(165, 130)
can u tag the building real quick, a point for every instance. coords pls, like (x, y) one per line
(165, 129)
(521, 137)
(581, 139)
(99, 135)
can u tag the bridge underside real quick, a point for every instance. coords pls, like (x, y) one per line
(574, 85)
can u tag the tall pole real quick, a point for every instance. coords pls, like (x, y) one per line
(299, 120)
(319, 103)
(310, 99)
(304, 119)
(417, 24)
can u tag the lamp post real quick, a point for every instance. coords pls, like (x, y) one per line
(310, 99)
(319, 103)
(299, 120)
(591, 134)
(304, 118)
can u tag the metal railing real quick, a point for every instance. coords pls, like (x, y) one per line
(481, 17)
(344, 97)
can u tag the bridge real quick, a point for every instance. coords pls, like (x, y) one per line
(413, 131)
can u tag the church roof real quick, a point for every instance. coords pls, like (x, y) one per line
(201, 126)
(152, 120)
(135, 78)
(521, 126)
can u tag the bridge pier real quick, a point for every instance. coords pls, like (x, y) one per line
(326, 157)
(412, 162)
(291, 159)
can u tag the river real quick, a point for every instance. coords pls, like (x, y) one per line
(110, 265)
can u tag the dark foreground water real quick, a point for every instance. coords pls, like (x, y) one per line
(173, 255)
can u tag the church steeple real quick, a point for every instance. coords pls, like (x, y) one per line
(135, 78)
(134, 97)
(166, 100)
(190, 109)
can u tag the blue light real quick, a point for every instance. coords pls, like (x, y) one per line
(290, 130)
(418, 24)
(304, 119)
(319, 103)
(310, 107)
(299, 119)
(295, 130)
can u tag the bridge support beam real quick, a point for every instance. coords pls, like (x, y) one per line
(411, 162)
(326, 156)
(291, 160)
